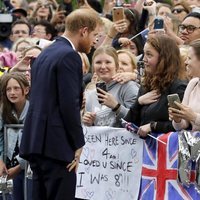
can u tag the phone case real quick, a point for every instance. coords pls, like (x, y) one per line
(158, 23)
(118, 13)
(171, 99)
(101, 86)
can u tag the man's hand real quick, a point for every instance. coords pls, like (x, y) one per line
(75, 161)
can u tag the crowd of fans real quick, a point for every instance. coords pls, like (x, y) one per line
(138, 64)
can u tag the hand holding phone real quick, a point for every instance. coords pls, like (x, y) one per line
(171, 99)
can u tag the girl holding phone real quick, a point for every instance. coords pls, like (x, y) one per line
(188, 114)
(106, 108)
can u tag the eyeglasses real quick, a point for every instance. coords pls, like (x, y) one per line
(178, 10)
(38, 31)
(46, 5)
(20, 31)
(189, 28)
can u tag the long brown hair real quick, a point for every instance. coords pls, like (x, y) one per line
(168, 65)
(7, 106)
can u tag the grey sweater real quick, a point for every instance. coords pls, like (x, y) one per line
(125, 94)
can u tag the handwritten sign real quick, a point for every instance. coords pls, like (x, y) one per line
(110, 165)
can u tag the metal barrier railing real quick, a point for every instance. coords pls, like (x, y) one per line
(6, 127)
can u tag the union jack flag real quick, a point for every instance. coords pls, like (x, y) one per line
(160, 171)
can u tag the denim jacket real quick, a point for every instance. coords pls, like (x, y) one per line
(12, 136)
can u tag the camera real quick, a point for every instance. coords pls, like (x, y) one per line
(6, 20)
(6, 186)
(5, 24)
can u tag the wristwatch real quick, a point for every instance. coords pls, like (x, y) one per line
(153, 126)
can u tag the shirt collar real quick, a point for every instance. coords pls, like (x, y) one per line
(69, 42)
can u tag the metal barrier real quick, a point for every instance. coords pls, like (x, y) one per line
(6, 127)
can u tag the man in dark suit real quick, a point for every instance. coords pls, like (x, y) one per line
(53, 138)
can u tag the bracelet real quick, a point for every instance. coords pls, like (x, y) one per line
(116, 107)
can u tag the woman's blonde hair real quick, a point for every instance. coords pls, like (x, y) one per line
(109, 51)
(85, 61)
(131, 56)
(22, 40)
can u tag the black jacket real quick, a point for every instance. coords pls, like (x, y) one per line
(158, 111)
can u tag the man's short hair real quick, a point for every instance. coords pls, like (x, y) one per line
(80, 18)
(193, 14)
(49, 28)
(21, 21)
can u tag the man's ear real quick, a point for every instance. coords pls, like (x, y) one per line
(84, 31)
(49, 36)
(11, 37)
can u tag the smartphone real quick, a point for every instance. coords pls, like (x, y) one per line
(118, 13)
(172, 98)
(158, 23)
(101, 86)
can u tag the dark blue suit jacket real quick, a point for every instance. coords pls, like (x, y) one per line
(53, 125)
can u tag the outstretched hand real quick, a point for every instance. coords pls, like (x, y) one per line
(23, 65)
(124, 77)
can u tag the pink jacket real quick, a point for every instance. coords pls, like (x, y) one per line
(8, 59)
(191, 98)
